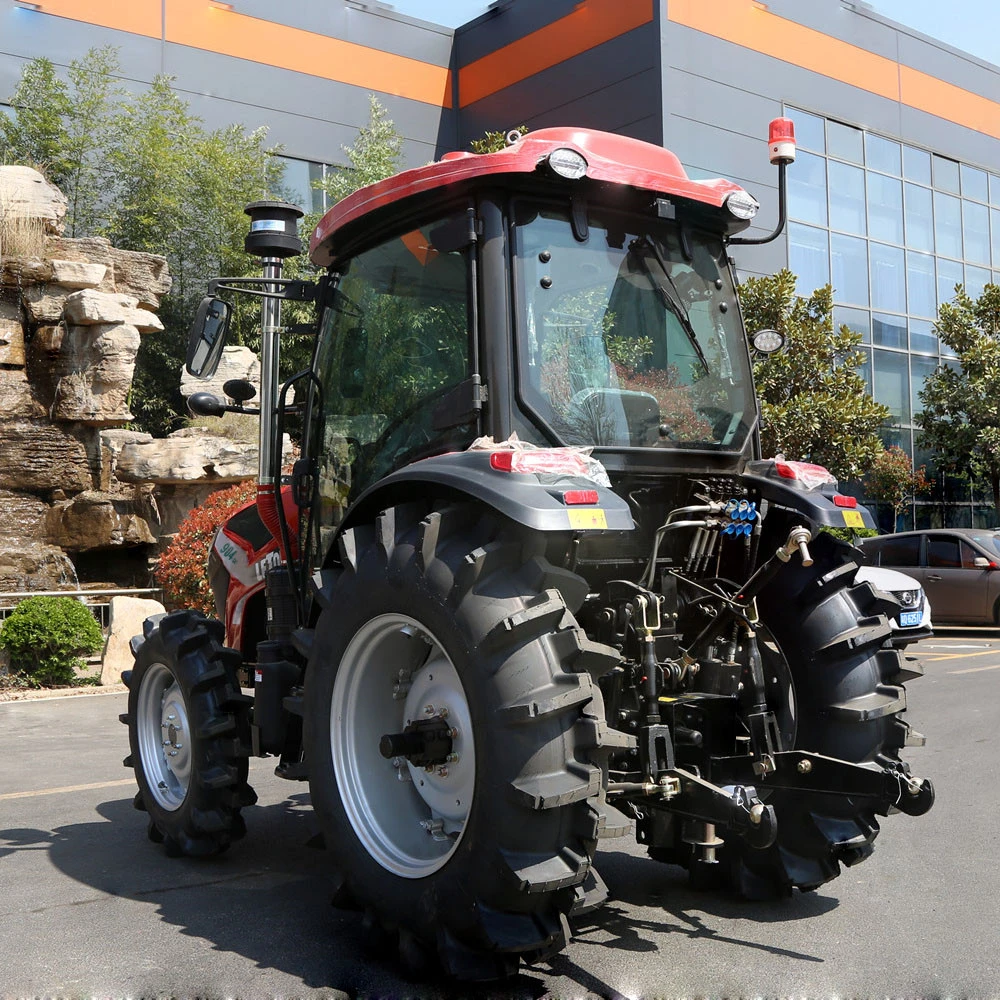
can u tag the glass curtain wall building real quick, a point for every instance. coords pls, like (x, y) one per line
(894, 228)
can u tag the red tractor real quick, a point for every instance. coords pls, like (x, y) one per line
(530, 583)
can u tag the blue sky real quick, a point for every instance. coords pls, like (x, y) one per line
(970, 25)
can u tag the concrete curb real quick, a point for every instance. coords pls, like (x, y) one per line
(47, 694)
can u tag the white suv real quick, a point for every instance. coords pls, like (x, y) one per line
(913, 620)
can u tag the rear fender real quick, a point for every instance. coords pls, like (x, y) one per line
(536, 500)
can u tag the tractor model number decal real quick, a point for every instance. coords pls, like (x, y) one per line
(853, 519)
(582, 520)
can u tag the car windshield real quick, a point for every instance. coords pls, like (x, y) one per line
(629, 332)
(989, 540)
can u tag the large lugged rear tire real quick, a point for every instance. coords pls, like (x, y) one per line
(188, 731)
(449, 614)
(846, 701)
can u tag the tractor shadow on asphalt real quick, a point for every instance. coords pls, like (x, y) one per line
(268, 899)
(648, 899)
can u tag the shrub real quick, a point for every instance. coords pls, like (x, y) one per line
(182, 570)
(45, 637)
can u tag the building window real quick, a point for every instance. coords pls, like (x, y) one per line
(847, 198)
(845, 142)
(918, 217)
(894, 228)
(809, 257)
(297, 183)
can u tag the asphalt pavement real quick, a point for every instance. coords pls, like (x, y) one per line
(89, 907)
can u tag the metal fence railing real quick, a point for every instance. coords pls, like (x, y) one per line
(99, 601)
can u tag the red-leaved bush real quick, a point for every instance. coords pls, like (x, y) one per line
(181, 570)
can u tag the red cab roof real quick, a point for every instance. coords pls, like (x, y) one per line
(616, 159)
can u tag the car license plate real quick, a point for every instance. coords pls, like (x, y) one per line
(909, 618)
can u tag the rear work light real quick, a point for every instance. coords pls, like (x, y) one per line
(781, 140)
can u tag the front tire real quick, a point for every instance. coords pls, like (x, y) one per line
(188, 734)
(452, 615)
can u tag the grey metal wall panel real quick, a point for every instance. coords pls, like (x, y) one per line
(581, 81)
(374, 27)
(692, 51)
(976, 148)
(966, 72)
(832, 18)
(302, 137)
(508, 23)
(274, 92)
(28, 34)
(612, 107)
(731, 106)
(728, 154)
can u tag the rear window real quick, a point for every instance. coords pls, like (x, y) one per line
(896, 551)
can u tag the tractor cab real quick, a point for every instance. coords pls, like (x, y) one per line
(573, 289)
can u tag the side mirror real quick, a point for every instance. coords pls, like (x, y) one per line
(981, 562)
(208, 337)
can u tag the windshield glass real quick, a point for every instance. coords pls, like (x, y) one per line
(631, 336)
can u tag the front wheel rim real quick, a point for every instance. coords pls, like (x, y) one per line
(164, 737)
(410, 819)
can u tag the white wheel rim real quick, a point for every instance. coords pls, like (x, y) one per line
(164, 736)
(409, 819)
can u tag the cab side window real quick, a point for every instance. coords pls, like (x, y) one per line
(395, 341)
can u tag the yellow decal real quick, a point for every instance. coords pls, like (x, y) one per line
(590, 518)
(853, 519)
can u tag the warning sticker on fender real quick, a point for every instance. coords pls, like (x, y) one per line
(584, 519)
(853, 519)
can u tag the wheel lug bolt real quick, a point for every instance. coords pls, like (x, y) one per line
(429, 710)
(804, 766)
(442, 772)
(452, 758)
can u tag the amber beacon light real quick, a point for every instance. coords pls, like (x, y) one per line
(781, 140)
(781, 151)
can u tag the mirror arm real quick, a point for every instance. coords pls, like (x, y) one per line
(288, 288)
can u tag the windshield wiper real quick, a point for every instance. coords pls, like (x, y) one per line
(674, 304)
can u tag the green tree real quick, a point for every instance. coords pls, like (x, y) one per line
(66, 128)
(814, 403)
(145, 172)
(374, 155)
(960, 420)
(893, 480)
(494, 142)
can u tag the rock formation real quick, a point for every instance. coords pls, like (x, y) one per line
(72, 315)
